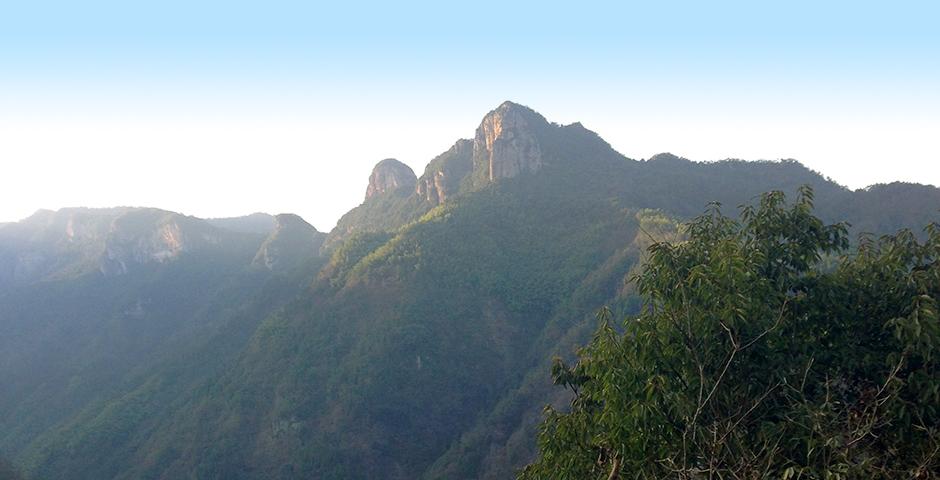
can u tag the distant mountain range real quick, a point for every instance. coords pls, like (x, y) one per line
(411, 341)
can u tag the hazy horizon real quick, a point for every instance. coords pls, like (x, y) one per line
(222, 110)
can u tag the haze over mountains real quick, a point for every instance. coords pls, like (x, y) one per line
(411, 341)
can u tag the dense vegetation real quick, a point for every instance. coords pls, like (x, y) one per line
(416, 320)
(8, 471)
(412, 345)
(765, 349)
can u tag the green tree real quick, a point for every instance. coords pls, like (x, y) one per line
(8, 471)
(765, 349)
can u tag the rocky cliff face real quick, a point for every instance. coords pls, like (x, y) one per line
(53, 241)
(442, 176)
(511, 140)
(390, 175)
(292, 241)
(506, 142)
(112, 241)
(152, 236)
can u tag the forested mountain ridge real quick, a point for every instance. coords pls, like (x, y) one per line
(72, 242)
(412, 341)
(260, 223)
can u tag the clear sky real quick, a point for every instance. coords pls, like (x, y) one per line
(226, 108)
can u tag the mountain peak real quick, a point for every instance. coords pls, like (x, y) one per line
(509, 104)
(667, 158)
(390, 175)
(506, 142)
(513, 110)
(290, 220)
(258, 222)
(150, 235)
(292, 241)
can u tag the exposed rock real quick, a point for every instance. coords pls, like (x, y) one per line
(292, 241)
(442, 176)
(152, 236)
(390, 175)
(506, 142)
(431, 187)
(390, 202)
(66, 241)
(69, 225)
(70, 242)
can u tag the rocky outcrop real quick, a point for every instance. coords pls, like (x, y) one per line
(390, 202)
(48, 243)
(443, 175)
(292, 241)
(506, 142)
(390, 175)
(152, 236)
(111, 241)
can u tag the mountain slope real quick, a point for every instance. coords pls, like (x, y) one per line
(416, 344)
(421, 336)
(292, 242)
(114, 294)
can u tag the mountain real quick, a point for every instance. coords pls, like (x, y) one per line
(92, 298)
(389, 202)
(507, 142)
(442, 176)
(260, 223)
(390, 175)
(75, 241)
(412, 341)
(292, 242)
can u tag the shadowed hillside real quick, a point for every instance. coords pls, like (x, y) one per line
(409, 342)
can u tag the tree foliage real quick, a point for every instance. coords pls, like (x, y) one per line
(8, 471)
(765, 349)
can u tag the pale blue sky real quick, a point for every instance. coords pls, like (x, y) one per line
(188, 107)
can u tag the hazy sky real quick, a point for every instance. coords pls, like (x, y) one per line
(226, 108)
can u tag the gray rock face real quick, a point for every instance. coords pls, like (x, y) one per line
(442, 177)
(293, 241)
(506, 144)
(390, 175)
(432, 187)
(112, 241)
(152, 236)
